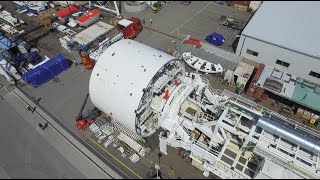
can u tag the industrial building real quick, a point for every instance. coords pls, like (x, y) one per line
(282, 36)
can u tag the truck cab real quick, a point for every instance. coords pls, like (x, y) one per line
(130, 27)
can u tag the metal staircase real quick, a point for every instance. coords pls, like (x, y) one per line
(122, 129)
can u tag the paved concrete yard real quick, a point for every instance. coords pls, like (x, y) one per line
(199, 19)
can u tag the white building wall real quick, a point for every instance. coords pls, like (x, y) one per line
(300, 64)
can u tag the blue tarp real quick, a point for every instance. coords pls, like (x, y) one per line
(32, 57)
(46, 71)
(32, 11)
(215, 39)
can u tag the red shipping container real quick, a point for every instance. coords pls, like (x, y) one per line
(89, 18)
(258, 73)
(258, 93)
(251, 89)
(73, 8)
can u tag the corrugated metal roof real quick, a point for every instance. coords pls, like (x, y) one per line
(88, 15)
(292, 25)
(93, 32)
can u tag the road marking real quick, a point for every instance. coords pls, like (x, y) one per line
(116, 158)
(194, 31)
(3, 174)
(213, 12)
(190, 18)
(210, 15)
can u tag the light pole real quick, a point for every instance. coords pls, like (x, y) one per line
(157, 166)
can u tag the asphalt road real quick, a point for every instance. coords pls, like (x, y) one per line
(24, 153)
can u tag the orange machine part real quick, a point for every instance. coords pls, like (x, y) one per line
(83, 123)
(86, 61)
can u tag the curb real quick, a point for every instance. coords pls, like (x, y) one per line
(98, 163)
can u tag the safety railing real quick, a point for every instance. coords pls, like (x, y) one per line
(266, 112)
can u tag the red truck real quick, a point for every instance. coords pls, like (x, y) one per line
(130, 27)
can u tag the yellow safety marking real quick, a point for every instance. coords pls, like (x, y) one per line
(116, 158)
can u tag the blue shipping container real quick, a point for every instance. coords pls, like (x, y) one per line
(46, 71)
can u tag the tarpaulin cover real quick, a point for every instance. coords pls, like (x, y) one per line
(215, 39)
(46, 71)
(29, 10)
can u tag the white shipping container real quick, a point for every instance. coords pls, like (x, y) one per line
(92, 33)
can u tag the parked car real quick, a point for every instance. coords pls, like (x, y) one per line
(185, 2)
(233, 24)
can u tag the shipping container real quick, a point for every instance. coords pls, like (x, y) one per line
(93, 32)
(89, 18)
(251, 89)
(253, 86)
(65, 12)
(259, 93)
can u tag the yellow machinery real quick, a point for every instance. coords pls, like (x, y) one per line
(46, 18)
(114, 21)
(312, 121)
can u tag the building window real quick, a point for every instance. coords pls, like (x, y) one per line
(282, 63)
(252, 52)
(314, 74)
